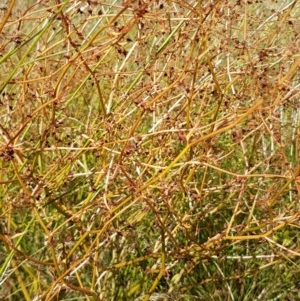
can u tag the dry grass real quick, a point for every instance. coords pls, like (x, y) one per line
(149, 150)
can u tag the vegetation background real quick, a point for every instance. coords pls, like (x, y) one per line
(149, 150)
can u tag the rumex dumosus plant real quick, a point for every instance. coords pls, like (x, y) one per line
(149, 150)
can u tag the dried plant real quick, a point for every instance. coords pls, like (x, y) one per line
(149, 150)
